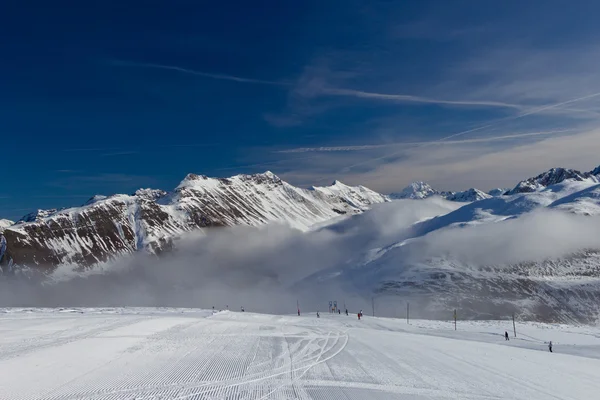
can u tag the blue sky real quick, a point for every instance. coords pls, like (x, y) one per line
(107, 97)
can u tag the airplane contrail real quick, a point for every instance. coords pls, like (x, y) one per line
(417, 99)
(201, 73)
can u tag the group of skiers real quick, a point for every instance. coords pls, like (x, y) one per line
(360, 313)
(242, 308)
(507, 338)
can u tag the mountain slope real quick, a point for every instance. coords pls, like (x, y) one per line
(422, 190)
(5, 223)
(468, 196)
(416, 190)
(552, 177)
(151, 219)
(535, 254)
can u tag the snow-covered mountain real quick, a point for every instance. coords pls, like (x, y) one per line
(416, 190)
(5, 223)
(536, 254)
(151, 219)
(552, 177)
(467, 196)
(422, 190)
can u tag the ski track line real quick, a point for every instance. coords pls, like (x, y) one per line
(319, 361)
(262, 379)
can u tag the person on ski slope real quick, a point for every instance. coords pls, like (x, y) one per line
(318, 316)
(550, 346)
(506, 335)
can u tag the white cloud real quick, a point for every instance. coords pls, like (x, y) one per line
(483, 165)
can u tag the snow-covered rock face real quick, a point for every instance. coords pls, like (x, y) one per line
(422, 190)
(150, 219)
(468, 196)
(416, 190)
(5, 223)
(552, 177)
(37, 215)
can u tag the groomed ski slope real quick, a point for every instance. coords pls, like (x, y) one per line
(191, 354)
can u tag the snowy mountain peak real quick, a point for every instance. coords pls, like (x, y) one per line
(151, 219)
(550, 177)
(469, 195)
(95, 199)
(150, 194)
(596, 171)
(416, 190)
(5, 223)
(37, 215)
(263, 178)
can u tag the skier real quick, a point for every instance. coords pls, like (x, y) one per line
(318, 316)
(339, 312)
(550, 346)
(346, 311)
(298, 312)
(242, 308)
(506, 335)
(359, 316)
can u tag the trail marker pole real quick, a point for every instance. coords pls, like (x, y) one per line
(455, 319)
(373, 304)
(514, 326)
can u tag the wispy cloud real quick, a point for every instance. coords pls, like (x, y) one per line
(406, 98)
(433, 142)
(199, 73)
(479, 164)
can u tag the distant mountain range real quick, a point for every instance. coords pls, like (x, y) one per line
(543, 286)
(552, 288)
(150, 220)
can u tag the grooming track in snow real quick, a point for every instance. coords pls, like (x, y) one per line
(145, 354)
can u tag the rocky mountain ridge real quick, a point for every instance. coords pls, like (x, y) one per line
(150, 220)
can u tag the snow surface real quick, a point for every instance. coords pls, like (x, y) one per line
(5, 223)
(181, 354)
